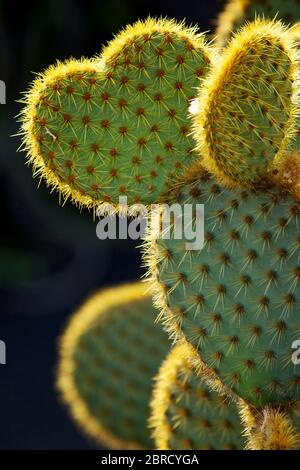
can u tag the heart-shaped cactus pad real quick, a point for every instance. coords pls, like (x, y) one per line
(118, 125)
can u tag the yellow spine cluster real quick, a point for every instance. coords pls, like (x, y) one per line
(268, 429)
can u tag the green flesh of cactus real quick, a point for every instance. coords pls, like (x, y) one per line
(237, 300)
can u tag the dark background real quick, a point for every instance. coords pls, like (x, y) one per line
(50, 258)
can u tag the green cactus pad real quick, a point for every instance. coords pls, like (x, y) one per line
(237, 300)
(248, 113)
(117, 125)
(109, 354)
(186, 414)
(236, 12)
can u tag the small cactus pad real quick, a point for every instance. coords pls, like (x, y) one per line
(238, 299)
(186, 414)
(247, 105)
(109, 354)
(271, 428)
(236, 12)
(117, 125)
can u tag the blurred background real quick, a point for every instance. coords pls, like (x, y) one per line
(50, 258)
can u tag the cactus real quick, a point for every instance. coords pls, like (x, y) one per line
(236, 300)
(186, 414)
(236, 12)
(271, 429)
(117, 125)
(247, 113)
(108, 355)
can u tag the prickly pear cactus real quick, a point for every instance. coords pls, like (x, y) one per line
(117, 125)
(186, 414)
(236, 300)
(236, 12)
(248, 109)
(109, 354)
